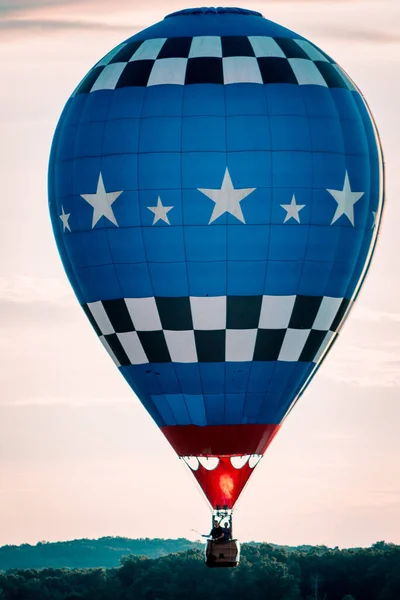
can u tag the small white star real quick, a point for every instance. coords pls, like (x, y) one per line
(346, 200)
(227, 199)
(374, 214)
(160, 212)
(292, 210)
(64, 218)
(101, 202)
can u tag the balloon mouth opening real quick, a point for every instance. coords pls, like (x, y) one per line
(220, 10)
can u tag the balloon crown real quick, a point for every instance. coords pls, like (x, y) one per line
(219, 10)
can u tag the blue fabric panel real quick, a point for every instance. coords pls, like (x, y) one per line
(178, 408)
(237, 376)
(168, 104)
(134, 280)
(248, 243)
(169, 279)
(234, 404)
(215, 409)
(160, 134)
(206, 99)
(290, 133)
(207, 279)
(126, 103)
(245, 99)
(285, 99)
(212, 377)
(248, 132)
(167, 378)
(216, 247)
(196, 407)
(164, 408)
(188, 375)
(121, 136)
(196, 134)
(245, 278)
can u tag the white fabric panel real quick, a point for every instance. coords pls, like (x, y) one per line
(208, 312)
(240, 344)
(144, 313)
(276, 312)
(241, 69)
(327, 312)
(101, 317)
(133, 348)
(149, 50)
(293, 344)
(311, 51)
(206, 46)
(329, 338)
(104, 61)
(266, 46)
(306, 72)
(108, 78)
(168, 70)
(181, 346)
(110, 352)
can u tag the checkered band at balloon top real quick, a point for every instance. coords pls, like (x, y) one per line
(212, 59)
(216, 190)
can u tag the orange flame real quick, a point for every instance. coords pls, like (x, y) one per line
(226, 485)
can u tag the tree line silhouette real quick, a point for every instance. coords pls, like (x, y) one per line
(265, 572)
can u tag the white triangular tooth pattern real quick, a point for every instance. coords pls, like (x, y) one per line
(192, 462)
(209, 462)
(254, 460)
(239, 461)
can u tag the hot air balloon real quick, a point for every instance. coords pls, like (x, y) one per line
(216, 189)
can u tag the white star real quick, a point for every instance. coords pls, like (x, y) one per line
(101, 202)
(64, 218)
(374, 214)
(346, 200)
(160, 212)
(227, 199)
(292, 210)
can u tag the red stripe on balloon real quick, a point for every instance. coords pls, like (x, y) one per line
(220, 440)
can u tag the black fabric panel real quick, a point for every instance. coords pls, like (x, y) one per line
(243, 312)
(89, 81)
(233, 45)
(118, 350)
(175, 313)
(204, 70)
(312, 345)
(291, 48)
(91, 319)
(340, 314)
(210, 345)
(305, 310)
(155, 346)
(268, 344)
(118, 314)
(136, 73)
(276, 70)
(330, 74)
(126, 53)
(176, 48)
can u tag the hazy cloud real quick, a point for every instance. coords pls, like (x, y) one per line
(55, 25)
(72, 401)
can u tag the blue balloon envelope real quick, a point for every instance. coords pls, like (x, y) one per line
(216, 189)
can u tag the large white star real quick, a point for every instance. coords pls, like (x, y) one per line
(64, 218)
(292, 210)
(160, 212)
(227, 199)
(346, 200)
(102, 202)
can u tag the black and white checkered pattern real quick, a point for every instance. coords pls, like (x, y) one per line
(213, 59)
(216, 329)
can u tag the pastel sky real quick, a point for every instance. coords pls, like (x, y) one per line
(79, 456)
